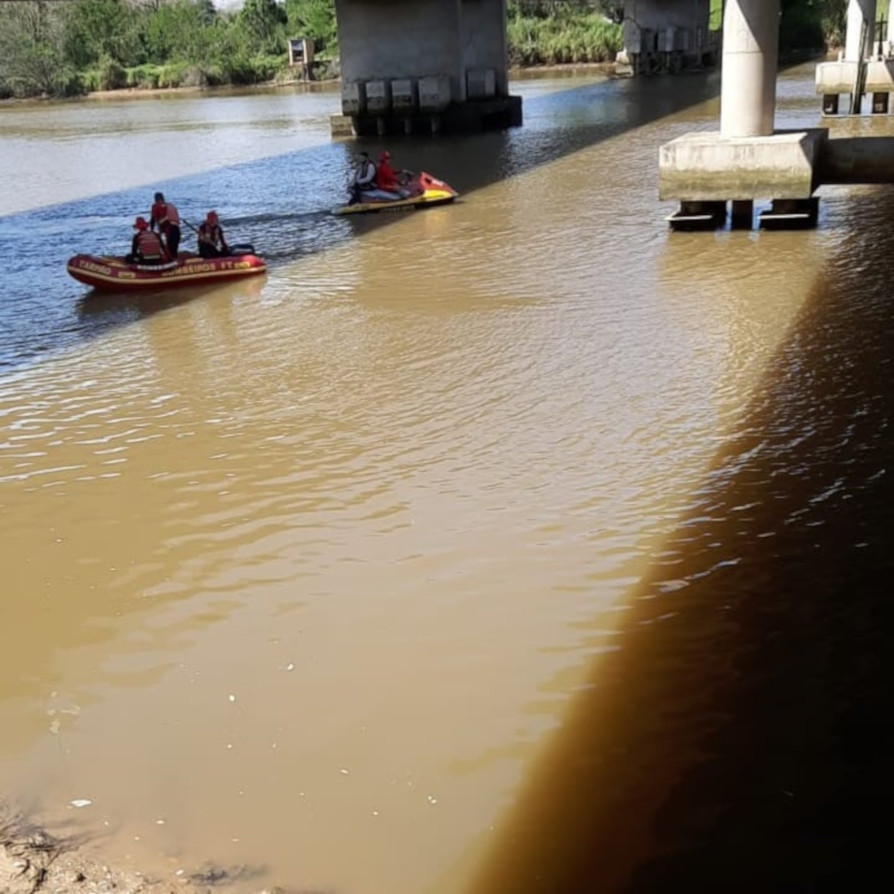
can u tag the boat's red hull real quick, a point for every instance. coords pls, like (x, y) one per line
(115, 275)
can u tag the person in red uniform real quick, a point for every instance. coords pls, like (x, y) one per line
(385, 177)
(164, 215)
(212, 242)
(145, 247)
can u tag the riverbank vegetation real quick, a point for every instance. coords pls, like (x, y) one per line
(557, 32)
(66, 49)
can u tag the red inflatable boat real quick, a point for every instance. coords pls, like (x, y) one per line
(114, 274)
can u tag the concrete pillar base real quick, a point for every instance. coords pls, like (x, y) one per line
(705, 167)
(783, 214)
(857, 160)
(830, 103)
(467, 117)
(341, 126)
(741, 214)
(790, 214)
(698, 216)
(853, 79)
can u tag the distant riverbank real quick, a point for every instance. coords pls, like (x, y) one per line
(607, 69)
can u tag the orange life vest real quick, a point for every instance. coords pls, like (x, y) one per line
(165, 215)
(149, 246)
(211, 233)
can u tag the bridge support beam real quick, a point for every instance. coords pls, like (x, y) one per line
(746, 160)
(431, 66)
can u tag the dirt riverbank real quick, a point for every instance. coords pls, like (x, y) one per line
(34, 862)
(516, 73)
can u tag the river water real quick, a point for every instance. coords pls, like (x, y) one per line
(514, 545)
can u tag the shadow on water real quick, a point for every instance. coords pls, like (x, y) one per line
(111, 309)
(735, 736)
(282, 204)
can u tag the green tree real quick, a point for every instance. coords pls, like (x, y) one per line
(103, 29)
(314, 19)
(264, 21)
(31, 59)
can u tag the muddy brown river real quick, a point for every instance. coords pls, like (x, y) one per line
(446, 548)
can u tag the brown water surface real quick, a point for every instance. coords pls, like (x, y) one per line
(301, 573)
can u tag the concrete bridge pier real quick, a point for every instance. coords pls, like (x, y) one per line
(666, 36)
(746, 159)
(861, 70)
(423, 66)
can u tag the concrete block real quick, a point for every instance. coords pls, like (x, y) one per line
(341, 126)
(790, 214)
(434, 93)
(666, 39)
(880, 76)
(404, 95)
(378, 97)
(353, 98)
(857, 160)
(481, 83)
(632, 38)
(835, 77)
(709, 167)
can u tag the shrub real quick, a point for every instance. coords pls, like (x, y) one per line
(111, 74)
(560, 40)
(143, 76)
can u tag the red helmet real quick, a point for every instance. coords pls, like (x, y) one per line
(211, 217)
(140, 224)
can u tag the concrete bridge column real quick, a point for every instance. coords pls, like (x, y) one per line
(746, 160)
(748, 78)
(424, 65)
(855, 74)
(860, 30)
(665, 36)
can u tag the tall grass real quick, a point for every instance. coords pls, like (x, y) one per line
(556, 41)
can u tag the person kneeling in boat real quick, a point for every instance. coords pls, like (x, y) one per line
(146, 247)
(212, 242)
(364, 178)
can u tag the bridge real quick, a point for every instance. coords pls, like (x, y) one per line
(441, 65)
(748, 158)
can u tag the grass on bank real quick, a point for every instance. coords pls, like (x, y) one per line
(557, 41)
